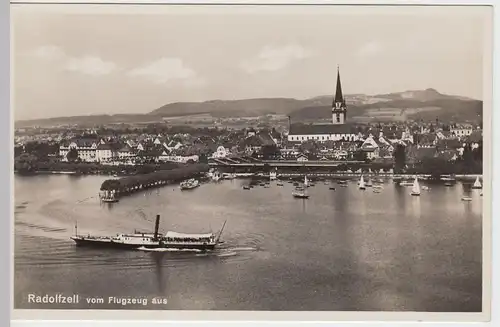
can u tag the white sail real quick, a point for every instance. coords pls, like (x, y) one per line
(361, 182)
(272, 175)
(306, 183)
(477, 183)
(216, 176)
(416, 187)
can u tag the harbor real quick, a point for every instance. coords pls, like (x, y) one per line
(112, 189)
(384, 250)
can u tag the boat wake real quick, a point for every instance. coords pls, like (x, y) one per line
(227, 254)
(245, 249)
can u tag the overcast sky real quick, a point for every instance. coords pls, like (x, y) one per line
(136, 59)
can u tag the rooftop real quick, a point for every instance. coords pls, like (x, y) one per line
(318, 129)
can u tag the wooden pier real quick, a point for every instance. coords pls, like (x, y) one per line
(136, 183)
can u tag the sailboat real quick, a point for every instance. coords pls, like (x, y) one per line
(362, 183)
(306, 183)
(415, 190)
(301, 193)
(216, 176)
(477, 184)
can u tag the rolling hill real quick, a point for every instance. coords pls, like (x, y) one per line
(426, 104)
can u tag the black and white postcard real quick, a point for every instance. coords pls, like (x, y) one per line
(292, 162)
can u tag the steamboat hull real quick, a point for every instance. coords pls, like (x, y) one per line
(106, 243)
(187, 247)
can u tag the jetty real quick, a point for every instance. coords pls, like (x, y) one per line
(131, 184)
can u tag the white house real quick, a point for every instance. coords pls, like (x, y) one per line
(165, 156)
(173, 145)
(340, 154)
(126, 153)
(371, 147)
(221, 152)
(105, 153)
(302, 157)
(462, 130)
(131, 143)
(86, 149)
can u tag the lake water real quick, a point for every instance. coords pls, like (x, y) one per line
(340, 250)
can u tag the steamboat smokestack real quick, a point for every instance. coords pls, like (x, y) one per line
(157, 225)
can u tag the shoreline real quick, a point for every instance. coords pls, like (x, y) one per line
(260, 174)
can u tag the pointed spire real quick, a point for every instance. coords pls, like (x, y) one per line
(338, 93)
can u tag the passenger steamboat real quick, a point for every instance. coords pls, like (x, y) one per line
(147, 240)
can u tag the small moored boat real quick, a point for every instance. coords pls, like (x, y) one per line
(477, 184)
(300, 194)
(361, 183)
(189, 184)
(415, 190)
(108, 197)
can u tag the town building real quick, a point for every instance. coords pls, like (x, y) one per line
(339, 129)
(85, 147)
(461, 130)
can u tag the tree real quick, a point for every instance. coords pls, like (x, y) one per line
(18, 150)
(72, 155)
(270, 152)
(309, 146)
(436, 166)
(478, 152)
(360, 156)
(399, 157)
(467, 158)
(203, 158)
(26, 163)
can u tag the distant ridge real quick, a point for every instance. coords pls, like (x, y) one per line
(426, 104)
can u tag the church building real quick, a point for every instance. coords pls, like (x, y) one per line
(337, 130)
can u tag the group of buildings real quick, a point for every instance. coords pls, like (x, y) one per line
(338, 140)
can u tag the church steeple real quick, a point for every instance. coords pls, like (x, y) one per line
(338, 92)
(339, 108)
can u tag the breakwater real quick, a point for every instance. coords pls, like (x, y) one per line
(396, 177)
(131, 184)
